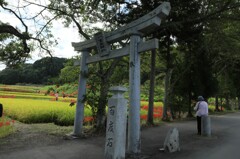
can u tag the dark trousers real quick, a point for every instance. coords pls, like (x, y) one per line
(199, 125)
(1, 110)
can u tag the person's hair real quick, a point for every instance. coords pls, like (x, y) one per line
(200, 98)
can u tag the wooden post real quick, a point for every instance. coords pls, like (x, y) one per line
(79, 116)
(134, 141)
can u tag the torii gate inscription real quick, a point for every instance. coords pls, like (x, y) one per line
(136, 30)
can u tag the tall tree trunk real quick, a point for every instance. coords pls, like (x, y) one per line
(151, 90)
(227, 103)
(104, 87)
(166, 94)
(221, 102)
(167, 79)
(190, 86)
(102, 102)
(238, 98)
(190, 104)
(216, 104)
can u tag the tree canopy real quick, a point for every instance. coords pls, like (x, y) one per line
(42, 71)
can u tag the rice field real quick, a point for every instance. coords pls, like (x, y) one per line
(29, 104)
(40, 111)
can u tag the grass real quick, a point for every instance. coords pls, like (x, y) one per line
(40, 111)
(26, 95)
(16, 88)
(156, 104)
(6, 126)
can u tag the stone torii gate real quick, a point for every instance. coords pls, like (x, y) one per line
(136, 30)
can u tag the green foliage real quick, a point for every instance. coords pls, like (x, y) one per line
(69, 89)
(40, 72)
(9, 76)
(211, 108)
(6, 126)
(49, 67)
(69, 74)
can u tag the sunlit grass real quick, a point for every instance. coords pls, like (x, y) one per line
(40, 111)
(6, 126)
(25, 95)
(156, 104)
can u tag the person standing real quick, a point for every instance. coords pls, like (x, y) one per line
(56, 96)
(201, 109)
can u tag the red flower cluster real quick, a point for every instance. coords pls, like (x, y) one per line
(88, 119)
(7, 96)
(157, 112)
(6, 123)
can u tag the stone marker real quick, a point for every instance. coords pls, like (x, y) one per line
(171, 143)
(116, 125)
(206, 126)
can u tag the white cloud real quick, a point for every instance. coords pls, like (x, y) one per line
(2, 66)
(65, 37)
(6, 17)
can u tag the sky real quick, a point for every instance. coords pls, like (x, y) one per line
(65, 36)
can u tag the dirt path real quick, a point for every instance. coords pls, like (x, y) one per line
(33, 135)
(47, 141)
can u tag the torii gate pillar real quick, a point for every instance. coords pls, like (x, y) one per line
(79, 117)
(134, 140)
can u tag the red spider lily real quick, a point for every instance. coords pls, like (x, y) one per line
(144, 117)
(157, 115)
(7, 96)
(52, 93)
(1, 124)
(7, 123)
(145, 107)
(87, 119)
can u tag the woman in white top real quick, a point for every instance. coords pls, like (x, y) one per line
(202, 110)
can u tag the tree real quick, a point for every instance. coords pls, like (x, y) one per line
(9, 76)
(15, 47)
(223, 41)
(28, 74)
(185, 26)
(70, 73)
(40, 72)
(49, 67)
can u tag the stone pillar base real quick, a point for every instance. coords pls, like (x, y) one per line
(206, 126)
